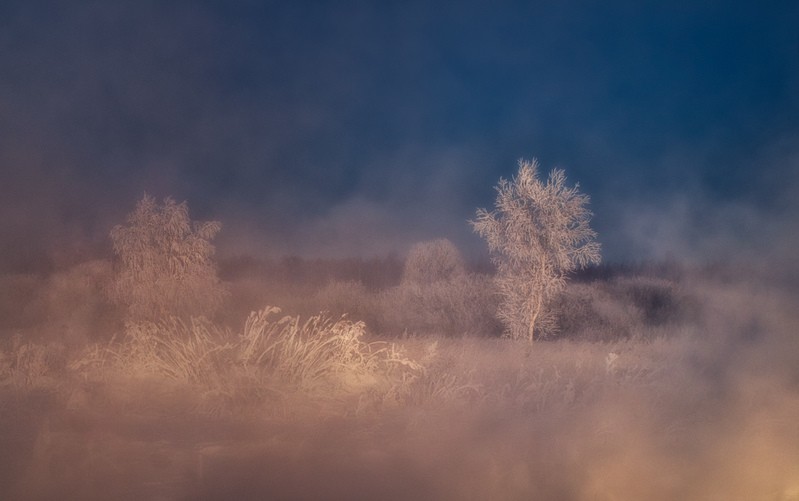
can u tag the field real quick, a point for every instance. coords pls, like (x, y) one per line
(662, 383)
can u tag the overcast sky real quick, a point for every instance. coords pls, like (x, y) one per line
(347, 128)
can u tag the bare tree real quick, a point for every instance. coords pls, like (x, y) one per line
(537, 234)
(164, 263)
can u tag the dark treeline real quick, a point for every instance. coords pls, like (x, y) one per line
(603, 302)
(381, 272)
(375, 272)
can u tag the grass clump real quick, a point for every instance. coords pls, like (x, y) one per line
(319, 356)
(28, 365)
(319, 353)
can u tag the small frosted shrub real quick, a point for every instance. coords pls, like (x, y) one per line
(165, 263)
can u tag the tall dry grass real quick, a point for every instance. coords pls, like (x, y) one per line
(26, 365)
(321, 355)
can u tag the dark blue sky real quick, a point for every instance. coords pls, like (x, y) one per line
(360, 127)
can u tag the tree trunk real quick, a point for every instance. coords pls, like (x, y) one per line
(531, 326)
(538, 301)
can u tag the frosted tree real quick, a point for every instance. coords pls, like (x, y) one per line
(537, 234)
(165, 263)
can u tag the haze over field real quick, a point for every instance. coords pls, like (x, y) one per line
(357, 129)
(339, 337)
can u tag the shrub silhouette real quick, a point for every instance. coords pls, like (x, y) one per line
(164, 264)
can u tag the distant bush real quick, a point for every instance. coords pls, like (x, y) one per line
(591, 312)
(165, 263)
(348, 298)
(77, 310)
(22, 305)
(436, 295)
(431, 262)
(657, 299)
(67, 306)
(465, 304)
(621, 307)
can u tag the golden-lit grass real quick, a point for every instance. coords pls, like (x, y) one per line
(319, 356)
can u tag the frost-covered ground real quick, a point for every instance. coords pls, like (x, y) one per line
(700, 409)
